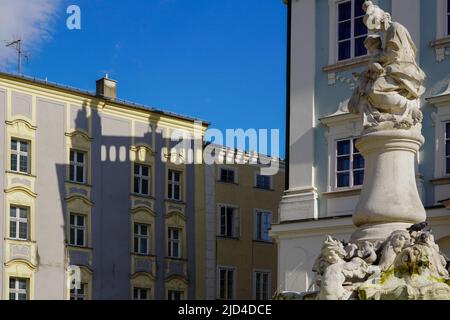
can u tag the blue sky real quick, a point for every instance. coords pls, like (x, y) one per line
(219, 60)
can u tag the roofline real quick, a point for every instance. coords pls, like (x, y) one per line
(90, 94)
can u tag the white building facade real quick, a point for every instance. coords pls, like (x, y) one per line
(325, 171)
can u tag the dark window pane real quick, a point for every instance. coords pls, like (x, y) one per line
(12, 229)
(448, 6)
(343, 180)
(344, 50)
(23, 231)
(80, 175)
(72, 219)
(177, 193)
(359, 8)
(230, 285)
(358, 161)
(136, 185)
(144, 186)
(344, 30)
(72, 172)
(360, 49)
(12, 212)
(230, 225)
(72, 157)
(447, 148)
(23, 164)
(448, 165)
(80, 157)
(23, 213)
(136, 244)
(144, 230)
(145, 171)
(80, 221)
(24, 147)
(177, 176)
(143, 245)
(80, 237)
(169, 191)
(345, 11)
(22, 284)
(358, 177)
(222, 222)
(343, 147)
(22, 296)
(447, 127)
(13, 144)
(72, 236)
(143, 294)
(360, 27)
(343, 163)
(14, 162)
(136, 169)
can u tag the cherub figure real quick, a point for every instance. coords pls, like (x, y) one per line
(335, 271)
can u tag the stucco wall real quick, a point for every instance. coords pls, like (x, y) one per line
(2, 178)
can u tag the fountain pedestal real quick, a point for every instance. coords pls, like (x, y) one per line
(389, 198)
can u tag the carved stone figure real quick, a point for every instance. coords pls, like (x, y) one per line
(405, 266)
(390, 88)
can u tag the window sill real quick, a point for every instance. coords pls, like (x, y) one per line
(346, 64)
(263, 242)
(263, 189)
(74, 247)
(143, 196)
(227, 238)
(19, 240)
(445, 180)
(229, 183)
(176, 259)
(142, 255)
(21, 173)
(175, 201)
(79, 183)
(440, 43)
(341, 193)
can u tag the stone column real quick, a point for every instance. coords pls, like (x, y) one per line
(389, 198)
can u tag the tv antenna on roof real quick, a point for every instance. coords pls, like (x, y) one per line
(17, 44)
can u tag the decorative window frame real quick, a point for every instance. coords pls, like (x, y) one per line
(269, 272)
(256, 174)
(341, 125)
(182, 170)
(442, 41)
(234, 269)
(333, 64)
(21, 197)
(80, 206)
(231, 168)
(144, 155)
(144, 215)
(145, 281)
(18, 269)
(176, 283)
(237, 220)
(86, 275)
(176, 220)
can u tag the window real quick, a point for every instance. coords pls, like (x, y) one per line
(227, 175)
(18, 223)
(226, 283)
(141, 179)
(141, 238)
(141, 294)
(227, 221)
(262, 285)
(175, 295)
(77, 168)
(174, 192)
(447, 146)
(349, 164)
(174, 243)
(351, 30)
(263, 222)
(77, 230)
(18, 289)
(80, 293)
(263, 182)
(19, 156)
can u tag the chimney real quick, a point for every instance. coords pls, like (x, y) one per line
(107, 88)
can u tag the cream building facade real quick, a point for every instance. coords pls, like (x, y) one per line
(93, 185)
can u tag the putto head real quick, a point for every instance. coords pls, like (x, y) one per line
(375, 19)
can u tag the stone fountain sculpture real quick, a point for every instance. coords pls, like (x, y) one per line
(391, 255)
